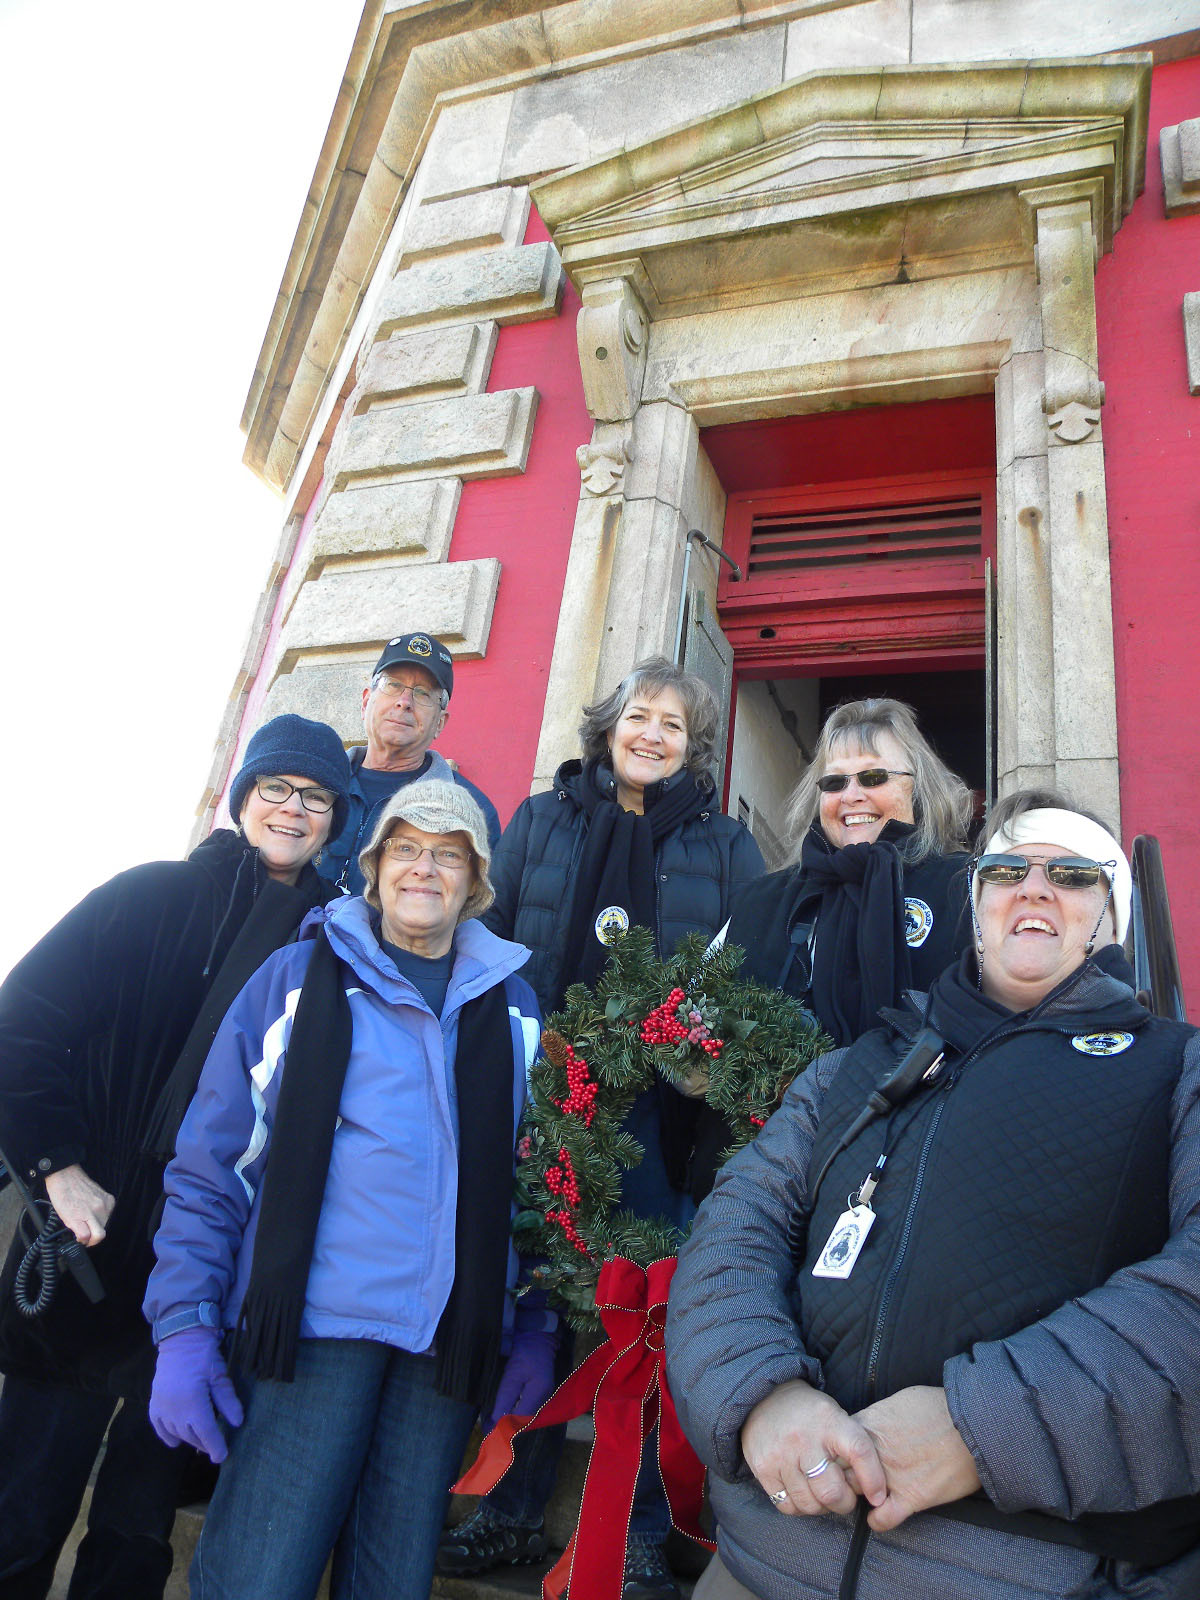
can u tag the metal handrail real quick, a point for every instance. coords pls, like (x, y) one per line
(1151, 932)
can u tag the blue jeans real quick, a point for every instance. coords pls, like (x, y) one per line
(50, 1436)
(522, 1494)
(355, 1457)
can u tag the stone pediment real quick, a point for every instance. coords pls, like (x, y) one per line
(855, 177)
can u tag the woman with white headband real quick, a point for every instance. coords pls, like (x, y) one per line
(937, 1331)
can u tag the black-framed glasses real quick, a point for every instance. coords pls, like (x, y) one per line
(1064, 872)
(408, 851)
(869, 778)
(276, 790)
(421, 697)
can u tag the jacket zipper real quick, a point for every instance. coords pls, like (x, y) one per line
(848, 1588)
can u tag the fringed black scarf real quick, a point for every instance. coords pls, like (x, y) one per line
(468, 1336)
(855, 895)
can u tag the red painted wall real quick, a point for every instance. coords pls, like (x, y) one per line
(525, 521)
(1152, 453)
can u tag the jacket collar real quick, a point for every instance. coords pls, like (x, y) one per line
(481, 958)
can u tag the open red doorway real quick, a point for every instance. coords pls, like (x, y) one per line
(864, 538)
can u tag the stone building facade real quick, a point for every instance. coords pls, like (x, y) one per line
(898, 301)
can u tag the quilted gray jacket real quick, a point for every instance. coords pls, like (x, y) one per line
(1095, 1408)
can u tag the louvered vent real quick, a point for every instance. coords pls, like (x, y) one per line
(856, 536)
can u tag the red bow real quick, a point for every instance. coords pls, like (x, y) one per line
(624, 1384)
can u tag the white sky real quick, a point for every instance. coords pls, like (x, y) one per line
(155, 161)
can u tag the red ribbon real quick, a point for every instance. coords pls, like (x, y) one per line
(624, 1385)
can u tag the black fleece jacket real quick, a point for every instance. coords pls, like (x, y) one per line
(92, 1020)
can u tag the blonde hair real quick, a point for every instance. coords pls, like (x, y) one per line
(942, 802)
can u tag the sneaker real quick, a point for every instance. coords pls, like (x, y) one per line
(647, 1575)
(483, 1542)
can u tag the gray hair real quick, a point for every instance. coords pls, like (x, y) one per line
(443, 697)
(942, 803)
(433, 806)
(650, 678)
(1006, 811)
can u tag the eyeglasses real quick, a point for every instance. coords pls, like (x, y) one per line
(872, 778)
(276, 790)
(421, 697)
(408, 851)
(1064, 872)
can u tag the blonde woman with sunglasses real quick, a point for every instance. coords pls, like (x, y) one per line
(876, 899)
(954, 1288)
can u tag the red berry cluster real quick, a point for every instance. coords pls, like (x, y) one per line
(581, 1091)
(567, 1224)
(662, 1026)
(673, 1023)
(561, 1179)
(759, 1122)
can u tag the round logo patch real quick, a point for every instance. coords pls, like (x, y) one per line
(918, 922)
(611, 922)
(1102, 1044)
(419, 645)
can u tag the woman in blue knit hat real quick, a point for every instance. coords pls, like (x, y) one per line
(104, 1027)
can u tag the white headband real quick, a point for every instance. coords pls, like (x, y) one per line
(1072, 832)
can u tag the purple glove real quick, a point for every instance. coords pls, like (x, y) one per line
(528, 1377)
(189, 1380)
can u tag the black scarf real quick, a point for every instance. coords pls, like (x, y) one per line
(271, 922)
(855, 895)
(617, 869)
(617, 864)
(468, 1336)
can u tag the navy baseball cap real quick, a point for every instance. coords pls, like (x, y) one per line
(420, 650)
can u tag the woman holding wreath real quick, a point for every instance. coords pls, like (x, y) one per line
(631, 835)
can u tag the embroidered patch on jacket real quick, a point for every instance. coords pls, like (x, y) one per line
(918, 921)
(613, 920)
(1102, 1044)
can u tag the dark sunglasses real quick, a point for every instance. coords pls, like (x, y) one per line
(872, 778)
(1064, 872)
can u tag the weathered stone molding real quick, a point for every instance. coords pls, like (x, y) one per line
(382, 524)
(1191, 339)
(511, 285)
(1179, 151)
(478, 436)
(468, 222)
(420, 366)
(1065, 261)
(360, 610)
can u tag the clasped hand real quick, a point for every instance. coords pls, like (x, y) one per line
(902, 1454)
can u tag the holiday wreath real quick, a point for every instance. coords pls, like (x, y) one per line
(699, 1023)
(714, 1034)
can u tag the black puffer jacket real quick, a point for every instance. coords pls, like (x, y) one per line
(696, 870)
(92, 1022)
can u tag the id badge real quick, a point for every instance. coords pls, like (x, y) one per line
(845, 1242)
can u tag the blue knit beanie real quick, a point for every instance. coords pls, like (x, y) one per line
(305, 749)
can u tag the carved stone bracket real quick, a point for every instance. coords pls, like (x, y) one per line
(1065, 255)
(612, 330)
(602, 463)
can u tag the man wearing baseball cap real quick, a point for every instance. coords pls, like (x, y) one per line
(403, 710)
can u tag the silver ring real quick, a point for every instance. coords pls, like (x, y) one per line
(821, 1466)
(779, 1496)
